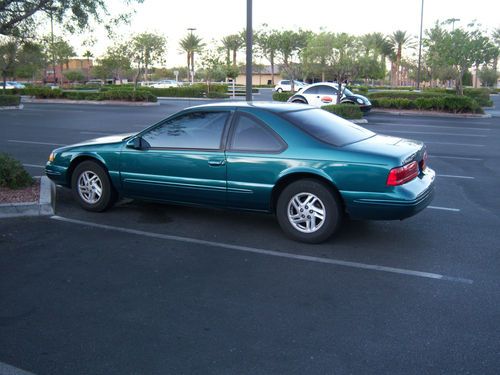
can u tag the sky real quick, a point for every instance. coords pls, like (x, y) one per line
(214, 19)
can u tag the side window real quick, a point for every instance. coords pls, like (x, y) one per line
(251, 135)
(311, 90)
(285, 82)
(197, 130)
(327, 90)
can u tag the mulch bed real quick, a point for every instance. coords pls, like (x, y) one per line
(29, 194)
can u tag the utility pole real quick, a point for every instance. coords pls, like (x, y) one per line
(249, 52)
(420, 45)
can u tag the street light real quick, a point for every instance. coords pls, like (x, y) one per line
(249, 52)
(191, 29)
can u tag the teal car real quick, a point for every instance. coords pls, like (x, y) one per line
(305, 165)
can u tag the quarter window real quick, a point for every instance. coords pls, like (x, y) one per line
(251, 135)
(195, 130)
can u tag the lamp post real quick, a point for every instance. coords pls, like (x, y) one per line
(249, 52)
(420, 45)
(191, 29)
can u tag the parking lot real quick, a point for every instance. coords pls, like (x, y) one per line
(157, 289)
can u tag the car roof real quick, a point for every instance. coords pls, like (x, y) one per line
(331, 84)
(268, 106)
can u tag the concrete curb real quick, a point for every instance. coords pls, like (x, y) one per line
(44, 207)
(91, 102)
(430, 113)
(360, 121)
(6, 108)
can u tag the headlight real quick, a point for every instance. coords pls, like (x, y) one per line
(360, 101)
(52, 156)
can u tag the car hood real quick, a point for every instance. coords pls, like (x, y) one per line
(357, 96)
(405, 150)
(105, 140)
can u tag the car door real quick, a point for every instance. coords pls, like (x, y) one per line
(182, 160)
(320, 95)
(253, 162)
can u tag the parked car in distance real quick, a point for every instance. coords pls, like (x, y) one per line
(165, 84)
(324, 93)
(305, 165)
(286, 86)
(95, 82)
(9, 85)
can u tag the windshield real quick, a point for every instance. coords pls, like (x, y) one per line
(328, 127)
(347, 92)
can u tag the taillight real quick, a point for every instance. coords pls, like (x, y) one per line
(401, 175)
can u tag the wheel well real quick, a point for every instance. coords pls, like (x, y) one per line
(299, 100)
(78, 160)
(287, 180)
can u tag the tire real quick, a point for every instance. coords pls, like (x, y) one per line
(280, 90)
(321, 215)
(300, 101)
(92, 187)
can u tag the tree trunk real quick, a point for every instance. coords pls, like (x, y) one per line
(272, 69)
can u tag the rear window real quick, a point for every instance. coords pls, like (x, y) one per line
(327, 127)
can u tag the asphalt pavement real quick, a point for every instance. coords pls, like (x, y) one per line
(156, 289)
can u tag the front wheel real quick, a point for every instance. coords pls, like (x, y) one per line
(280, 90)
(92, 187)
(308, 211)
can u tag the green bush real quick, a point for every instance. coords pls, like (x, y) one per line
(9, 100)
(12, 173)
(139, 95)
(411, 95)
(347, 111)
(217, 95)
(481, 95)
(281, 96)
(446, 103)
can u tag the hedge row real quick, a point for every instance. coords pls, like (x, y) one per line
(9, 100)
(124, 95)
(411, 95)
(481, 96)
(444, 103)
(281, 96)
(347, 111)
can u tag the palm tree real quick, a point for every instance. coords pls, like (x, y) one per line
(232, 43)
(191, 44)
(88, 55)
(399, 39)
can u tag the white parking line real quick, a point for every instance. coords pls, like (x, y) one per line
(454, 144)
(34, 143)
(6, 369)
(33, 166)
(434, 126)
(435, 133)
(336, 262)
(98, 133)
(444, 208)
(454, 157)
(453, 176)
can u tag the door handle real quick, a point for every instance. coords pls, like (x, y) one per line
(216, 163)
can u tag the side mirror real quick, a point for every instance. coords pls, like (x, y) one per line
(138, 143)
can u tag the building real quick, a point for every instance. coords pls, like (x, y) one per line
(56, 74)
(261, 75)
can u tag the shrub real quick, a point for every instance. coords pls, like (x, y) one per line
(217, 95)
(9, 100)
(12, 173)
(447, 103)
(412, 95)
(347, 111)
(282, 96)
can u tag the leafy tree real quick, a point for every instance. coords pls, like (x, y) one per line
(488, 76)
(147, 49)
(289, 46)
(344, 60)
(116, 62)
(32, 59)
(191, 44)
(460, 49)
(59, 53)
(317, 53)
(18, 16)
(74, 76)
(267, 46)
(8, 58)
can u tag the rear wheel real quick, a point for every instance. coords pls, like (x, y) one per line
(300, 101)
(279, 89)
(308, 211)
(92, 187)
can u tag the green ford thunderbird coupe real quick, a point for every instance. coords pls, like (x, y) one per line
(307, 166)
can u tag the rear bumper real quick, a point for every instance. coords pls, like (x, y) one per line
(404, 201)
